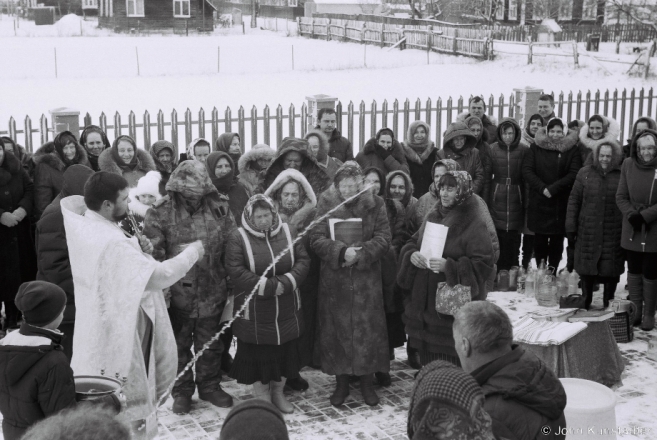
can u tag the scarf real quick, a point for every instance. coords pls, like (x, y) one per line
(247, 215)
(418, 147)
(134, 162)
(156, 149)
(63, 139)
(30, 330)
(223, 144)
(223, 184)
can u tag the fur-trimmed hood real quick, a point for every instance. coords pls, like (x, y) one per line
(456, 129)
(634, 149)
(648, 120)
(107, 163)
(258, 151)
(566, 143)
(315, 175)
(486, 119)
(612, 134)
(409, 186)
(309, 202)
(616, 158)
(518, 133)
(48, 155)
(322, 154)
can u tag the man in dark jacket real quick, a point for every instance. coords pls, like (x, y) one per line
(36, 379)
(477, 107)
(545, 107)
(52, 252)
(524, 398)
(339, 146)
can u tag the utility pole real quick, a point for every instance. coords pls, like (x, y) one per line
(254, 22)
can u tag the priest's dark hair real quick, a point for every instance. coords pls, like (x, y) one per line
(103, 186)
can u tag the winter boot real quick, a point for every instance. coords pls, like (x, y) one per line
(413, 357)
(341, 390)
(297, 384)
(262, 391)
(367, 389)
(609, 293)
(635, 288)
(218, 398)
(383, 379)
(649, 299)
(181, 405)
(278, 398)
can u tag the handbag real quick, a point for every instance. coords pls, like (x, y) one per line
(621, 327)
(572, 302)
(450, 299)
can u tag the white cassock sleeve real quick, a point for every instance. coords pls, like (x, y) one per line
(172, 270)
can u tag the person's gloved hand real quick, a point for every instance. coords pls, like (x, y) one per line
(8, 219)
(572, 238)
(636, 220)
(382, 152)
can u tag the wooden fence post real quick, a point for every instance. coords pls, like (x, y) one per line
(43, 123)
(132, 125)
(298, 26)
(147, 130)
(174, 128)
(265, 126)
(455, 47)
(328, 30)
(575, 55)
(28, 134)
(383, 40)
(529, 53)
(188, 127)
(429, 38)
(215, 124)
(201, 126)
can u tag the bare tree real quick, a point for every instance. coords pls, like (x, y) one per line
(641, 11)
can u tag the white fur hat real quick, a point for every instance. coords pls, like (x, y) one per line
(149, 184)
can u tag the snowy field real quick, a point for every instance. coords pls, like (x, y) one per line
(99, 74)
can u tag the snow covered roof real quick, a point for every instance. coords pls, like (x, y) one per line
(549, 24)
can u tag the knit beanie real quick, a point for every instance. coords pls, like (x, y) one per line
(40, 302)
(149, 185)
(254, 419)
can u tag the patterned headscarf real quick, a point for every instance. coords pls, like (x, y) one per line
(463, 185)
(349, 169)
(449, 164)
(191, 180)
(247, 216)
(447, 403)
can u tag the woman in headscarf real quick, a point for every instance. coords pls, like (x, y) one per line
(221, 169)
(230, 143)
(420, 153)
(392, 295)
(352, 332)
(384, 152)
(268, 331)
(447, 404)
(641, 124)
(459, 144)
(468, 260)
(594, 222)
(17, 257)
(94, 140)
(477, 128)
(165, 157)
(318, 147)
(637, 200)
(535, 122)
(51, 160)
(125, 159)
(597, 131)
(252, 166)
(549, 168)
(23, 156)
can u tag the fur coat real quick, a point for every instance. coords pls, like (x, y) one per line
(49, 174)
(251, 175)
(145, 164)
(470, 262)
(352, 324)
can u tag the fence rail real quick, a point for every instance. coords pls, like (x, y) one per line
(358, 123)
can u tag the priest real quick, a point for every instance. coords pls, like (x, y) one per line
(121, 325)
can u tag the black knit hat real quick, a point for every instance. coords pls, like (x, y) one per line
(40, 302)
(253, 419)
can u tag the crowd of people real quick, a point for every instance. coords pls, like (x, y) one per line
(213, 221)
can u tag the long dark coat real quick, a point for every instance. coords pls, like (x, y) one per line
(553, 166)
(595, 218)
(470, 260)
(17, 256)
(352, 324)
(506, 202)
(637, 192)
(421, 167)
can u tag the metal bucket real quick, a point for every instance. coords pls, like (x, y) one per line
(100, 390)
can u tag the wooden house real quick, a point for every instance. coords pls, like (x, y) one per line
(142, 15)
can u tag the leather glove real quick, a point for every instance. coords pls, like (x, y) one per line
(382, 152)
(572, 238)
(636, 220)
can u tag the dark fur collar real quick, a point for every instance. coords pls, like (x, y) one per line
(11, 166)
(397, 150)
(107, 163)
(49, 156)
(459, 219)
(568, 142)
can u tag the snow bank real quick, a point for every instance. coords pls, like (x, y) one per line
(69, 26)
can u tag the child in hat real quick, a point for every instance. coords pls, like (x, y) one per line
(36, 379)
(142, 197)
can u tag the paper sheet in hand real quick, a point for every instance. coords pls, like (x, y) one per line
(433, 240)
(348, 231)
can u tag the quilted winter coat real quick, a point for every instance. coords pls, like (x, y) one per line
(169, 225)
(17, 256)
(49, 172)
(507, 186)
(551, 165)
(594, 217)
(352, 326)
(637, 192)
(269, 319)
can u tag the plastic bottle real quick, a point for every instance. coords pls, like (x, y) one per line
(573, 281)
(542, 270)
(562, 283)
(503, 281)
(530, 284)
(520, 284)
(513, 278)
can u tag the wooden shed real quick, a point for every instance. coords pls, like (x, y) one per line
(142, 15)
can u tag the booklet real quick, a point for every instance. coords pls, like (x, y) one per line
(433, 241)
(541, 332)
(349, 231)
(591, 316)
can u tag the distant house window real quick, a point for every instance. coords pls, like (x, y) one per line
(566, 11)
(181, 8)
(540, 10)
(135, 8)
(499, 12)
(590, 9)
(513, 9)
(292, 3)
